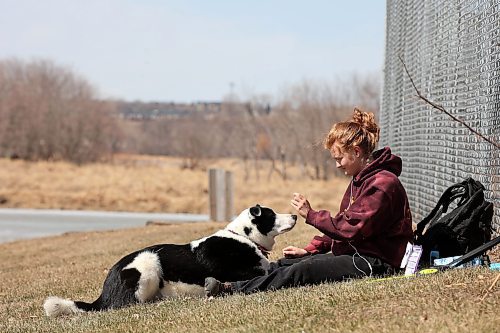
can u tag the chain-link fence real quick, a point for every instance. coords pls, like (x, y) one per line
(452, 51)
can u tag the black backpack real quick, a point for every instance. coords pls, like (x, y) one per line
(465, 228)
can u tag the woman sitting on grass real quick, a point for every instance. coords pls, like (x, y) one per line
(368, 236)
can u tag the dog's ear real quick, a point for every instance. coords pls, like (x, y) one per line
(255, 211)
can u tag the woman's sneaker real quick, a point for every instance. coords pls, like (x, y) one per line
(214, 287)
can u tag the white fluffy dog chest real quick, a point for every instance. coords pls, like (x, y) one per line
(180, 289)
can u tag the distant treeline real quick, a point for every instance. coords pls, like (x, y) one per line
(47, 112)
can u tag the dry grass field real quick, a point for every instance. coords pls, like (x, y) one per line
(150, 184)
(74, 265)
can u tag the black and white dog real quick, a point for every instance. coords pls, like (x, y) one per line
(237, 252)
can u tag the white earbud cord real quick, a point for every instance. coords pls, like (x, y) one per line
(356, 250)
(356, 266)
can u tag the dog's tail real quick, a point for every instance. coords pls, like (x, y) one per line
(138, 282)
(56, 306)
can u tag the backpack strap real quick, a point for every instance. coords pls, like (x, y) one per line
(472, 186)
(460, 190)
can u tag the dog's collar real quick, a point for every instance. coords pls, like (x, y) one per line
(262, 249)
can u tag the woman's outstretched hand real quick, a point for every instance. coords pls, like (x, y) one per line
(301, 205)
(294, 252)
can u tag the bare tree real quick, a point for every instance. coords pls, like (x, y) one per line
(48, 112)
(289, 130)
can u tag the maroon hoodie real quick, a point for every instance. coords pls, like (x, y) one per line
(378, 222)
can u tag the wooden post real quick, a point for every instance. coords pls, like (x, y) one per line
(220, 191)
(229, 196)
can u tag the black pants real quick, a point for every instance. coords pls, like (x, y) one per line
(314, 269)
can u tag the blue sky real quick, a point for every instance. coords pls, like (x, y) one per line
(187, 50)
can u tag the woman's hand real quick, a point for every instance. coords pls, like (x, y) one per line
(301, 205)
(294, 252)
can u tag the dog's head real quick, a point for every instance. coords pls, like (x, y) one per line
(261, 224)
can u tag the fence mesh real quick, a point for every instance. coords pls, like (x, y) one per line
(452, 51)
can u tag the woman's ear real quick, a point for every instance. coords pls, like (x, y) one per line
(357, 151)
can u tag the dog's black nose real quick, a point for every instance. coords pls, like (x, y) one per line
(294, 217)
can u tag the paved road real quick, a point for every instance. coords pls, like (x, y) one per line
(30, 223)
